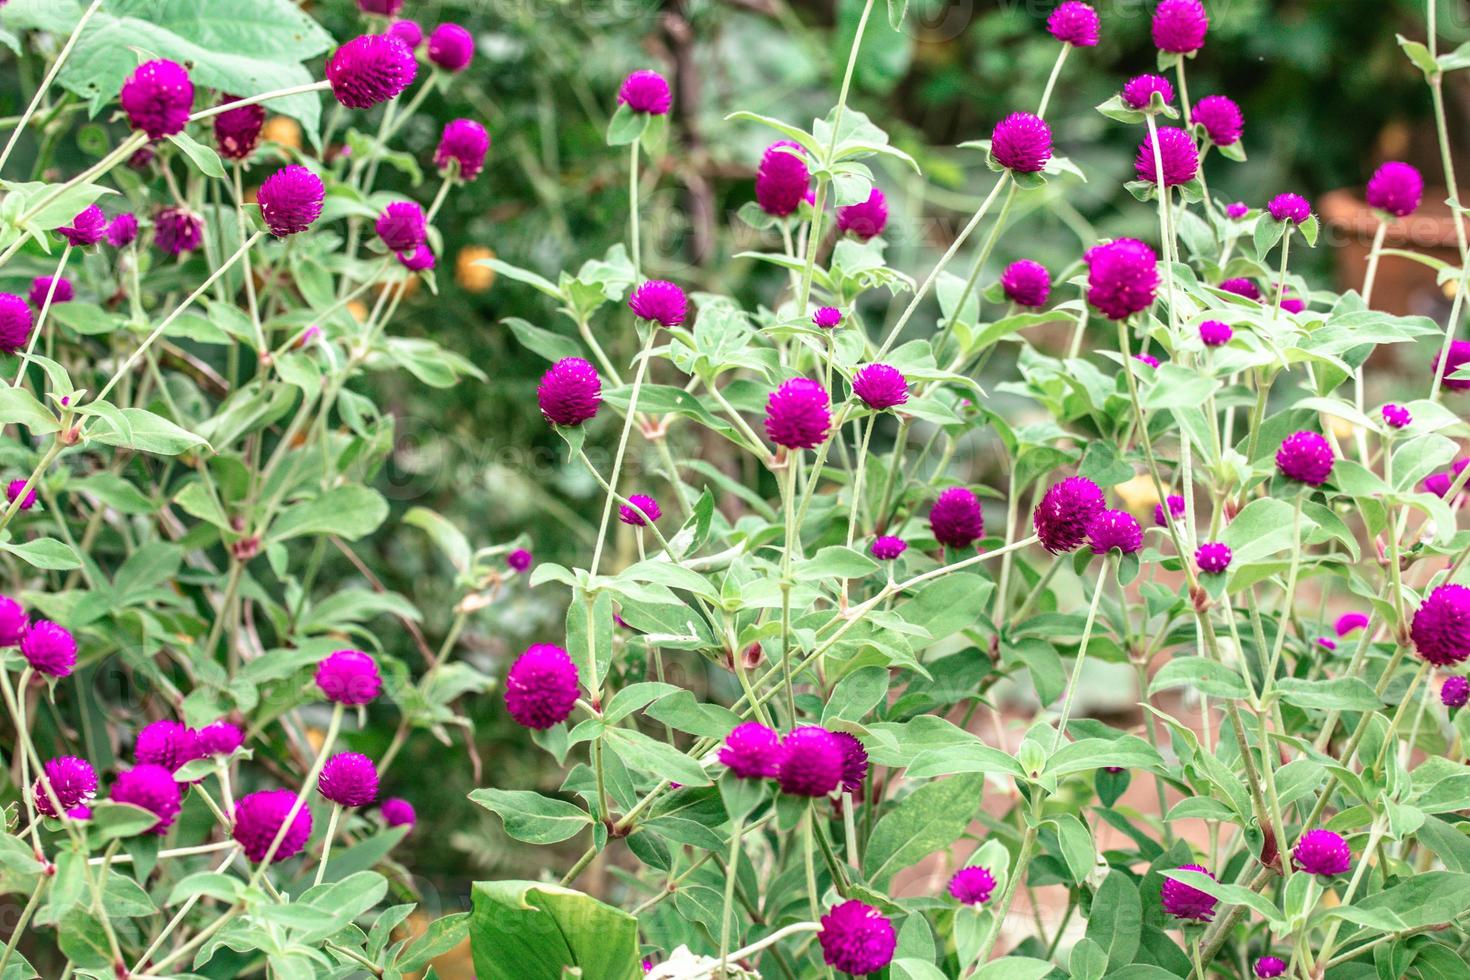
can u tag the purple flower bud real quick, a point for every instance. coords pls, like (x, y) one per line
(419, 260)
(1348, 622)
(407, 31)
(798, 414)
(1305, 457)
(1066, 511)
(260, 816)
(166, 743)
(464, 142)
(1396, 416)
(1185, 901)
(1291, 304)
(1327, 643)
(383, 8)
(1122, 277)
(220, 738)
(1138, 92)
(781, 179)
(1455, 692)
(398, 812)
(1458, 354)
(1179, 26)
(1441, 626)
(659, 301)
(41, 289)
(866, 219)
(122, 230)
(972, 885)
(541, 687)
(880, 386)
(15, 323)
(1269, 966)
(236, 131)
(856, 938)
(451, 47)
(1074, 23)
(648, 511)
(1148, 359)
(1177, 153)
(854, 762)
(86, 229)
(828, 317)
(402, 226)
(1026, 283)
(1322, 852)
(349, 677)
(1176, 510)
(157, 97)
(1213, 557)
(370, 69)
(1243, 288)
(15, 488)
(178, 230)
(811, 762)
(291, 199)
(13, 622)
(1396, 188)
(152, 788)
(1290, 207)
(751, 751)
(1114, 529)
(570, 392)
(1021, 142)
(1221, 118)
(646, 91)
(1237, 210)
(349, 779)
(1439, 483)
(1214, 333)
(48, 648)
(72, 781)
(956, 519)
(518, 560)
(887, 547)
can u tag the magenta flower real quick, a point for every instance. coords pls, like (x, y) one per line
(1213, 557)
(1185, 901)
(828, 317)
(1114, 529)
(402, 226)
(887, 547)
(751, 751)
(370, 69)
(1221, 119)
(648, 511)
(1396, 188)
(152, 788)
(856, 938)
(49, 649)
(519, 560)
(541, 687)
(1177, 153)
(659, 301)
(451, 47)
(1179, 26)
(1026, 283)
(1066, 511)
(15, 487)
(1292, 305)
(569, 393)
(349, 779)
(220, 738)
(1396, 416)
(398, 812)
(1348, 622)
(1122, 277)
(812, 760)
(1214, 333)
(178, 230)
(157, 97)
(1457, 355)
(13, 622)
(972, 885)
(1269, 966)
(854, 762)
(866, 219)
(41, 289)
(122, 230)
(291, 199)
(956, 519)
(798, 414)
(1455, 692)
(646, 91)
(260, 816)
(418, 260)
(1138, 92)
(1327, 643)
(1290, 207)
(407, 31)
(781, 179)
(86, 229)
(1305, 457)
(1244, 288)
(1176, 510)
(15, 323)
(383, 8)
(1322, 852)
(1441, 626)
(1074, 23)
(1021, 142)
(1237, 210)
(72, 780)
(1148, 359)
(464, 142)
(166, 743)
(1439, 483)
(237, 130)
(349, 677)
(880, 386)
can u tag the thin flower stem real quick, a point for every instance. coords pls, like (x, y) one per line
(321, 867)
(726, 915)
(1269, 681)
(42, 89)
(1109, 566)
(634, 237)
(183, 911)
(639, 373)
(25, 919)
(1162, 188)
(25, 358)
(328, 740)
(808, 842)
(279, 93)
(1051, 82)
(121, 152)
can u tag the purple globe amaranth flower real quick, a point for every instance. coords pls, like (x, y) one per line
(1455, 692)
(220, 738)
(49, 649)
(1327, 643)
(1237, 210)
(1122, 277)
(1179, 26)
(956, 519)
(86, 229)
(1176, 510)
(370, 69)
(1269, 966)
(1213, 557)
(1074, 23)
(259, 817)
(1148, 359)
(418, 260)
(291, 199)
(13, 622)
(1066, 511)
(1026, 283)
(465, 143)
(1322, 852)
(402, 226)
(349, 677)
(72, 781)
(646, 91)
(647, 513)
(972, 885)
(1214, 333)
(15, 488)
(887, 547)
(451, 47)
(383, 8)
(751, 751)
(1114, 529)
(857, 938)
(153, 788)
(880, 386)
(41, 291)
(1244, 288)
(1177, 154)
(157, 98)
(1290, 207)
(1305, 457)
(1441, 626)
(541, 687)
(15, 323)
(1185, 901)
(1291, 304)
(1221, 119)
(398, 812)
(1021, 142)
(854, 762)
(166, 743)
(407, 31)
(812, 760)
(781, 179)
(1439, 483)
(659, 301)
(122, 230)
(798, 414)
(1348, 622)
(1457, 355)
(1138, 92)
(569, 393)
(518, 560)
(866, 219)
(349, 779)
(1396, 416)
(178, 230)
(1396, 188)
(237, 130)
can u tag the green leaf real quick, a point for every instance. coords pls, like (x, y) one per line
(349, 512)
(112, 820)
(47, 553)
(834, 562)
(626, 126)
(1419, 55)
(1128, 752)
(449, 539)
(538, 340)
(204, 157)
(1339, 694)
(654, 757)
(534, 931)
(19, 407)
(1078, 848)
(1117, 918)
(442, 935)
(931, 817)
(1205, 676)
(147, 433)
(1423, 899)
(534, 818)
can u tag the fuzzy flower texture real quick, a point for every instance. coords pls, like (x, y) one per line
(260, 816)
(1026, 283)
(157, 98)
(1305, 457)
(1074, 23)
(798, 414)
(1441, 626)
(856, 938)
(1021, 142)
(659, 301)
(569, 393)
(781, 179)
(290, 200)
(349, 678)
(1065, 513)
(956, 519)
(880, 386)
(349, 779)
(541, 687)
(646, 92)
(465, 144)
(1322, 852)
(370, 69)
(1176, 154)
(1122, 277)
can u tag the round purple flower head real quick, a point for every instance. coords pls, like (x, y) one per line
(260, 816)
(1327, 643)
(570, 392)
(1348, 622)
(854, 762)
(48, 648)
(781, 179)
(1322, 852)
(349, 779)
(418, 260)
(1114, 529)
(1439, 483)
(646, 506)
(86, 229)
(157, 97)
(1244, 288)
(370, 69)
(812, 760)
(1176, 510)
(1441, 626)
(1237, 210)
(383, 8)
(41, 288)
(1066, 511)
(1396, 416)
(72, 781)
(956, 518)
(178, 230)
(857, 938)
(887, 547)
(13, 622)
(291, 199)
(1179, 26)
(866, 219)
(166, 743)
(518, 560)
(541, 687)
(751, 751)
(402, 226)
(398, 812)
(349, 677)
(1305, 457)
(880, 386)
(828, 318)
(464, 142)
(1185, 901)
(1122, 277)
(1177, 153)
(1213, 557)
(1138, 92)
(1459, 353)
(1455, 692)
(1021, 142)
(122, 230)
(152, 788)
(15, 323)
(798, 414)
(1214, 333)
(1269, 966)
(407, 31)
(237, 130)
(220, 738)
(659, 301)
(451, 47)
(1074, 23)
(646, 91)
(1221, 118)
(1290, 207)
(1396, 188)
(972, 885)
(13, 490)
(1291, 304)
(1026, 283)
(1148, 359)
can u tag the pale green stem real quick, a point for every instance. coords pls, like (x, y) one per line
(44, 87)
(321, 868)
(607, 506)
(1108, 566)
(25, 359)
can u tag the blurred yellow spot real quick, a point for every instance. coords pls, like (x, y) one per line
(473, 278)
(283, 130)
(314, 738)
(1138, 494)
(1340, 426)
(1451, 287)
(359, 310)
